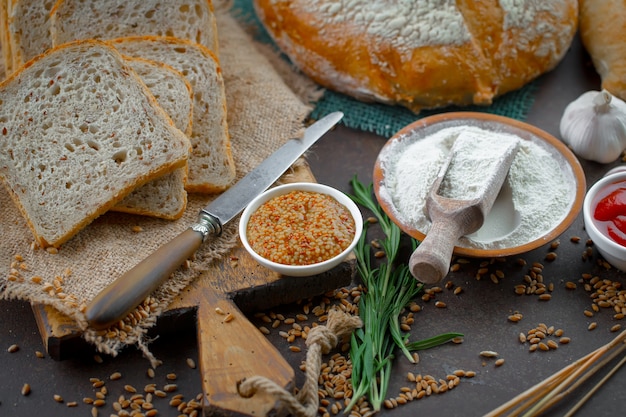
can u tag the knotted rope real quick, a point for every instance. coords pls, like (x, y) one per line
(320, 340)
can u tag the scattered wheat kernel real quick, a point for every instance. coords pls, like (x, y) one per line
(616, 327)
(171, 377)
(170, 387)
(115, 376)
(470, 374)
(99, 403)
(72, 404)
(558, 332)
(570, 285)
(564, 340)
(26, 389)
(533, 347)
(98, 359)
(545, 297)
(457, 340)
(137, 229)
(592, 326)
(458, 290)
(522, 338)
(488, 354)
(552, 344)
(440, 304)
(515, 317)
(220, 311)
(499, 362)
(58, 398)
(543, 346)
(150, 373)
(550, 256)
(94, 412)
(191, 363)
(295, 348)
(130, 388)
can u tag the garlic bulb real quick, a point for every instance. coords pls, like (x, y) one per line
(594, 126)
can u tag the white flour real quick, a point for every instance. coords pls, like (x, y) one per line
(473, 163)
(538, 191)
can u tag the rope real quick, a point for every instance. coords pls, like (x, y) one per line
(320, 340)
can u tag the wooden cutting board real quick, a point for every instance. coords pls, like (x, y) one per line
(228, 351)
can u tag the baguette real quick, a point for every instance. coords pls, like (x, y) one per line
(603, 34)
(164, 197)
(78, 132)
(193, 20)
(422, 54)
(211, 164)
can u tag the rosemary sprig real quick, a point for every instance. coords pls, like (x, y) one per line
(389, 289)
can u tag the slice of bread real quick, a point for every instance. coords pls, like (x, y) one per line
(211, 165)
(164, 197)
(186, 19)
(78, 132)
(29, 29)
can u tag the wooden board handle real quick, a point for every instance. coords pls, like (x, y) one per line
(128, 291)
(231, 348)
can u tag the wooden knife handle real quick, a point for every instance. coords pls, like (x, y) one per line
(129, 290)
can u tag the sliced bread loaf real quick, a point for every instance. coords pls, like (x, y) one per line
(29, 29)
(186, 19)
(211, 165)
(164, 197)
(78, 132)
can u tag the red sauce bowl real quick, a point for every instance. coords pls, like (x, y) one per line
(613, 252)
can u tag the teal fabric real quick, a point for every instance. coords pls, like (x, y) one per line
(382, 119)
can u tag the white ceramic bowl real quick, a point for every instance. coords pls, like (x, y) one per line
(613, 252)
(301, 270)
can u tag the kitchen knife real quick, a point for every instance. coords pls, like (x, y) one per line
(124, 294)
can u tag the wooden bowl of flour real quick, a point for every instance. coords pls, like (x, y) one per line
(540, 198)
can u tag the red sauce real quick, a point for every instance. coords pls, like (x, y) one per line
(610, 213)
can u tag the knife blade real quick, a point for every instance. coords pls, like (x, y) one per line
(124, 294)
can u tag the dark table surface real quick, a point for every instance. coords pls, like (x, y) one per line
(480, 311)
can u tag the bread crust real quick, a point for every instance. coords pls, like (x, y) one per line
(603, 34)
(486, 51)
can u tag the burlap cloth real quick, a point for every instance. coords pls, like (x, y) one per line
(263, 113)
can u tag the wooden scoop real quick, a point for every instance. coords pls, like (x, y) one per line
(460, 199)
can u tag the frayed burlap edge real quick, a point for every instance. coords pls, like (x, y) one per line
(267, 105)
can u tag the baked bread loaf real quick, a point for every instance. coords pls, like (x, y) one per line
(164, 197)
(603, 34)
(422, 54)
(78, 132)
(193, 20)
(211, 165)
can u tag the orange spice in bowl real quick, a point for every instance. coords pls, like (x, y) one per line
(300, 229)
